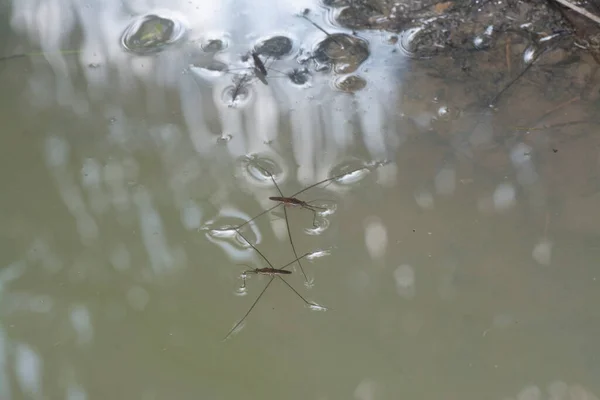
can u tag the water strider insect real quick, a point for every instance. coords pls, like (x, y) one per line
(273, 273)
(259, 68)
(292, 200)
(265, 271)
(242, 80)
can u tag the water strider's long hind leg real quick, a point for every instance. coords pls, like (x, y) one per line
(249, 310)
(312, 305)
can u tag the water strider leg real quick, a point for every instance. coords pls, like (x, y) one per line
(299, 295)
(265, 288)
(287, 224)
(249, 310)
(244, 276)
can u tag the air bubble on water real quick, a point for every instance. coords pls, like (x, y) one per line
(317, 307)
(224, 139)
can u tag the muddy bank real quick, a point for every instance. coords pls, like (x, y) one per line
(441, 27)
(527, 71)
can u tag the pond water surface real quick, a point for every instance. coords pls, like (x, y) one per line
(461, 262)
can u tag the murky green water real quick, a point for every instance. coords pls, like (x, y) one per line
(459, 266)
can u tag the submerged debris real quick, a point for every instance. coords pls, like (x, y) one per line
(343, 52)
(151, 33)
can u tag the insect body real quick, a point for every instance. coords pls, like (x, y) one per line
(292, 201)
(269, 271)
(258, 64)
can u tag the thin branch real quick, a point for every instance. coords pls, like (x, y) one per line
(580, 10)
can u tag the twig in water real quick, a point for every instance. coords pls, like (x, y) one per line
(580, 10)
(323, 30)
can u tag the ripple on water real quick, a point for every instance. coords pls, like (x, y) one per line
(151, 33)
(213, 68)
(225, 231)
(350, 83)
(214, 45)
(236, 330)
(318, 254)
(317, 307)
(239, 94)
(407, 43)
(241, 291)
(349, 172)
(300, 76)
(343, 52)
(259, 168)
(320, 226)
